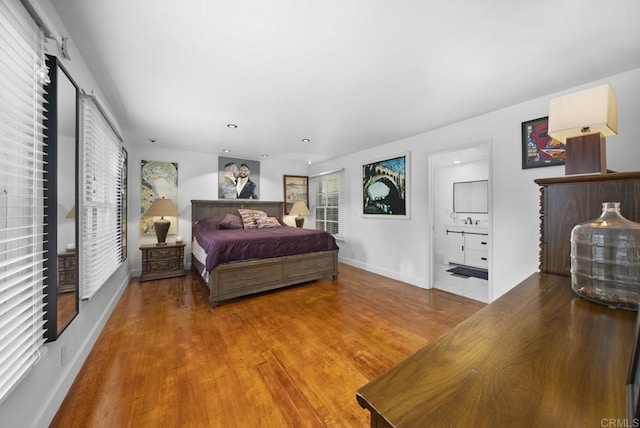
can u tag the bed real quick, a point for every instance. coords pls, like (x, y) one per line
(284, 264)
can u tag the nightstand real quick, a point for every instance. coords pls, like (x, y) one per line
(67, 272)
(162, 261)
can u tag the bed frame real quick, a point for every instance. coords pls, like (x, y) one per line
(238, 279)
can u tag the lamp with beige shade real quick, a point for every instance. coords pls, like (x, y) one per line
(581, 120)
(159, 208)
(300, 209)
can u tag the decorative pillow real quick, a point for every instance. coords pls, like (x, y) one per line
(267, 222)
(230, 221)
(249, 217)
(210, 223)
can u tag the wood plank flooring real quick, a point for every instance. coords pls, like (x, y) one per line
(288, 358)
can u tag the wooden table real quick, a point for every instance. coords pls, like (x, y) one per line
(538, 356)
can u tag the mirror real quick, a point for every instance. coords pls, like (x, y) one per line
(470, 197)
(61, 132)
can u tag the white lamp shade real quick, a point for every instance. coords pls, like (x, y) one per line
(299, 208)
(586, 112)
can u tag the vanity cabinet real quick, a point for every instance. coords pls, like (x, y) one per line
(468, 245)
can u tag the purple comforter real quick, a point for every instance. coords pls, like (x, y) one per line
(226, 246)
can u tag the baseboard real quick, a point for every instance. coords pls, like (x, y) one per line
(418, 282)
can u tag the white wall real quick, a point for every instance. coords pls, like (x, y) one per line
(399, 248)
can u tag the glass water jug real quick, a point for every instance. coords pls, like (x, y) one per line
(605, 259)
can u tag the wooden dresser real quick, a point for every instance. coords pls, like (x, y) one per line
(570, 200)
(162, 261)
(538, 356)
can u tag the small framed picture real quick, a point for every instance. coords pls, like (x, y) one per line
(538, 148)
(296, 188)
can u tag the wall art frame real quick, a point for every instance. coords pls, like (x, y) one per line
(296, 188)
(158, 179)
(386, 187)
(230, 170)
(538, 148)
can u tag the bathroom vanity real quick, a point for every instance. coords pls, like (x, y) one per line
(468, 244)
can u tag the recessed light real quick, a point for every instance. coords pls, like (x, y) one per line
(306, 140)
(151, 140)
(226, 150)
(456, 162)
(264, 156)
(232, 125)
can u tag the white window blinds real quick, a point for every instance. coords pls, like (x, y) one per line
(21, 195)
(101, 188)
(327, 199)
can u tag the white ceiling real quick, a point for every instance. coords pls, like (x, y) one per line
(347, 74)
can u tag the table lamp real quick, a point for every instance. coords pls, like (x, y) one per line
(159, 208)
(299, 208)
(582, 120)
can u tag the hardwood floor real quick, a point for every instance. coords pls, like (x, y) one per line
(291, 357)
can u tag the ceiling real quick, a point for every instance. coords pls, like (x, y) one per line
(348, 74)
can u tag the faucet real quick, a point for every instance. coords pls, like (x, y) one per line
(469, 220)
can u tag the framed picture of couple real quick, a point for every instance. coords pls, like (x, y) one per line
(238, 178)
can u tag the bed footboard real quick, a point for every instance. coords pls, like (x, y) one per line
(244, 278)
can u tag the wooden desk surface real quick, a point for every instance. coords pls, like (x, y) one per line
(538, 356)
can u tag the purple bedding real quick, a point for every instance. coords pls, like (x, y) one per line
(226, 246)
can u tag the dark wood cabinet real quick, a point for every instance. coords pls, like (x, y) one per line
(67, 272)
(570, 200)
(538, 356)
(162, 261)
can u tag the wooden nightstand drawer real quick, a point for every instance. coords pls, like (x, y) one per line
(161, 266)
(163, 253)
(162, 261)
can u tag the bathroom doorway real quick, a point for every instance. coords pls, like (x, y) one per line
(464, 164)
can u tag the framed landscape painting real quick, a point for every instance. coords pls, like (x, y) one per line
(538, 148)
(385, 188)
(296, 188)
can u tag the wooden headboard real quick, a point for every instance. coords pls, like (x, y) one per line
(202, 209)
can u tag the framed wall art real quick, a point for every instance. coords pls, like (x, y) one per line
(385, 187)
(238, 178)
(158, 179)
(296, 188)
(538, 148)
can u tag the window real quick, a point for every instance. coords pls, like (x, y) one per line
(22, 219)
(101, 187)
(327, 199)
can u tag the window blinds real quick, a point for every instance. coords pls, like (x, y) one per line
(327, 202)
(101, 188)
(21, 195)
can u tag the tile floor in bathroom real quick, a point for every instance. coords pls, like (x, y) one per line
(473, 288)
